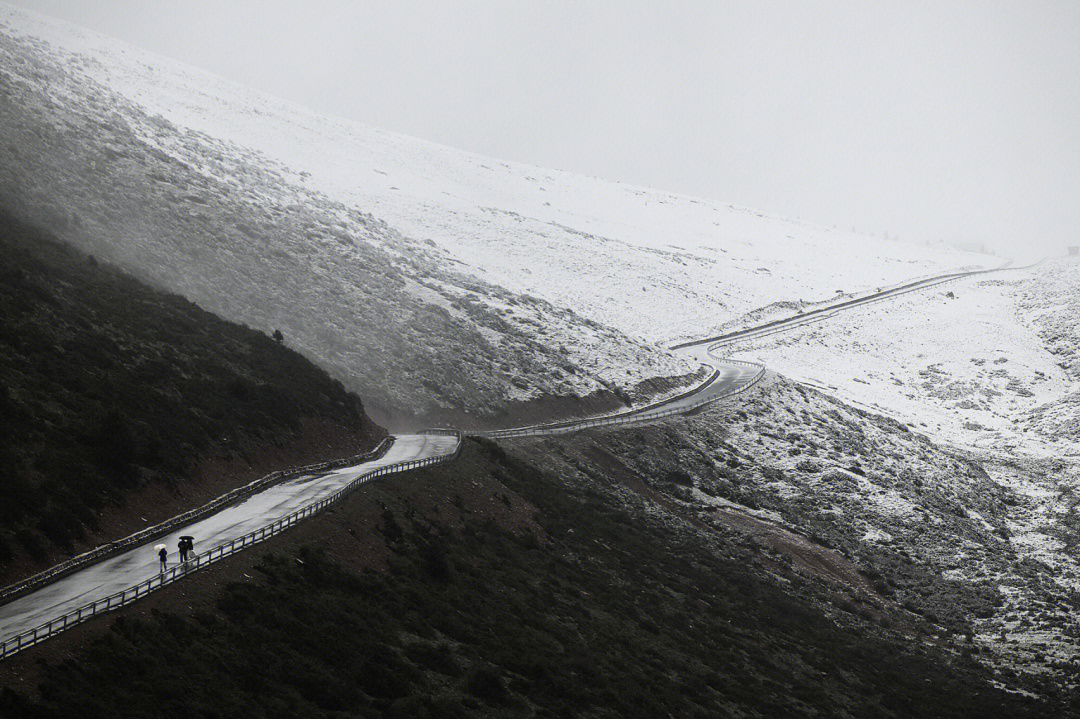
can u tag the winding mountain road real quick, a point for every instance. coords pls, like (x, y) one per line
(31, 618)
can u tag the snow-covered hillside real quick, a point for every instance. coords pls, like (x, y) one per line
(445, 286)
(988, 363)
(392, 316)
(652, 264)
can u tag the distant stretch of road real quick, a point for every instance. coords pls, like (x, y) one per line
(727, 379)
(713, 344)
(122, 571)
(730, 377)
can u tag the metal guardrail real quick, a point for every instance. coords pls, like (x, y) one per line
(119, 599)
(18, 589)
(644, 414)
(790, 322)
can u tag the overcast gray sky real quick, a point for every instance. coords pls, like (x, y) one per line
(954, 120)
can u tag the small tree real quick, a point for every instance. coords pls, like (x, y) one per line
(278, 337)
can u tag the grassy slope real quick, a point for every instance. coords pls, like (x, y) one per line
(490, 588)
(108, 387)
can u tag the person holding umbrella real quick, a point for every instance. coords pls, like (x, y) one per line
(181, 547)
(189, 546)
(163, 555)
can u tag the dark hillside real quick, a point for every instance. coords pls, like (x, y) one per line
(490, 588)
(119, 403)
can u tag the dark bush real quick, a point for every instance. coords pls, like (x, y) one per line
(31, 542)
(773, 474)
(677, 476)
(486, 682)
(436, 563)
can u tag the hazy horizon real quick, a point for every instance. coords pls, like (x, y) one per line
(952, 122)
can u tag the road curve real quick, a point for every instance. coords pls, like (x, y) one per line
(729, 378)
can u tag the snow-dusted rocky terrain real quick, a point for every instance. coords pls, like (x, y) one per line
(981, 499)
(987, 363)
(652, 264)
(981, 547)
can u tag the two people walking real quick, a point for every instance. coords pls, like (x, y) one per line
(185, 547)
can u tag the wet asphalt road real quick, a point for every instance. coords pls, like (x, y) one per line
(121, 571)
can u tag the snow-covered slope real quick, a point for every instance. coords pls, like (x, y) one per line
(394, 317)
(652, 264)
(989, 363)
